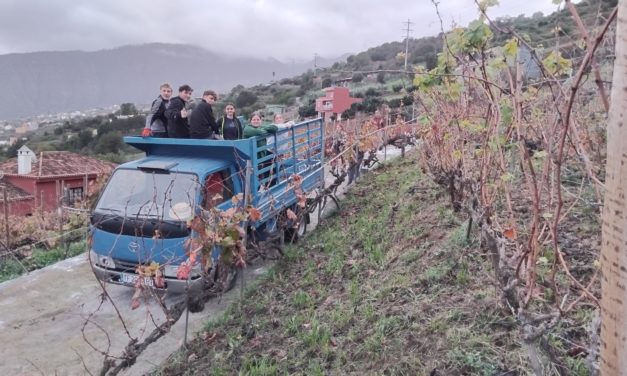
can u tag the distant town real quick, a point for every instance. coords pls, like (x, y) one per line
(13, 130)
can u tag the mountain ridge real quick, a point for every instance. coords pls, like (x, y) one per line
(62, 81)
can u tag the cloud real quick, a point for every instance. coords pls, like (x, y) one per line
(284, 29)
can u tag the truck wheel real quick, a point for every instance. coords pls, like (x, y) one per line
(293, 234)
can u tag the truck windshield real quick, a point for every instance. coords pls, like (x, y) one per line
(148, 194)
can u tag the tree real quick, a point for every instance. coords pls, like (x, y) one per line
(245, 98)
(381, 77)
(308, 110)
(128, 109)
(110, 142)
(84, 138)
(12, 150)
(614, 234)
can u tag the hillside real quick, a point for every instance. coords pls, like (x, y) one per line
(50, 82)
(388, 286)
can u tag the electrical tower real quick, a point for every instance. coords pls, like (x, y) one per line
(407, 30)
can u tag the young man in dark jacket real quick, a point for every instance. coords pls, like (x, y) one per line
(202, 124)
(156, 121)
(178, 127)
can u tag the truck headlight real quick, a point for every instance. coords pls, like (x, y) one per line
(101, 260)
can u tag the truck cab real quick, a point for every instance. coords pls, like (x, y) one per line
(143, 213)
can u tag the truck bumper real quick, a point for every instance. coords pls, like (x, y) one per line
(126, 278)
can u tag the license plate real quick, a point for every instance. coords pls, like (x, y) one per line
(131, 279)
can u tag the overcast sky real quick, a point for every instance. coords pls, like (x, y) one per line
(283, 29)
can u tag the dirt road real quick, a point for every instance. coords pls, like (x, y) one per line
(53, 322)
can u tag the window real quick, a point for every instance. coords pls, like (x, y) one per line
(218, 188)
(147, 194)
(74, 195)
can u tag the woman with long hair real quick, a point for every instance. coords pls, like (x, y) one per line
(229, 126)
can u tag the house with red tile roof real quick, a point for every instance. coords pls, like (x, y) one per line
(48, 180)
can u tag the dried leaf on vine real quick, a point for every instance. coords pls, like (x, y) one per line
(254, 214)
(291, 215)
(236, 199)
(184, 270)
(227, 242)
(297, 179)
(510, 233)
(302, 200)
(159, 279)
(135, 299)
(229, 213)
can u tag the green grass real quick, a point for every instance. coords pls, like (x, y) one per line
(372, 291)
(13, 268)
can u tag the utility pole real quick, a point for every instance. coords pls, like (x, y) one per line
(407, 30)
(315, 64)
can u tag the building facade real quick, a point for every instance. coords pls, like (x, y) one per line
(46, 181)
(335, 101)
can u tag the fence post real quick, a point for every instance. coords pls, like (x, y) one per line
(60, 212)
(85, 186)
(247, 192)
(385, 137)
(6, 218)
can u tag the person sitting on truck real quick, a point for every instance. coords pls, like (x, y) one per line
(255, 129)
(202, 124)
(281, 124)
(156, 122)
(176, 113)
(229, 126)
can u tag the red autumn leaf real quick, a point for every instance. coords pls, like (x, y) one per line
(510, 233)
(159, 280)
(135, 299)
(297, 179)
(183, 271)
(254, 214)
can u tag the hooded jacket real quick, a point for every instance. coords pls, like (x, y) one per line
(178, 127)
(156, 120)
(202, 124)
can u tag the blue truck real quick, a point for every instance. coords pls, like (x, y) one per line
(142, 214)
